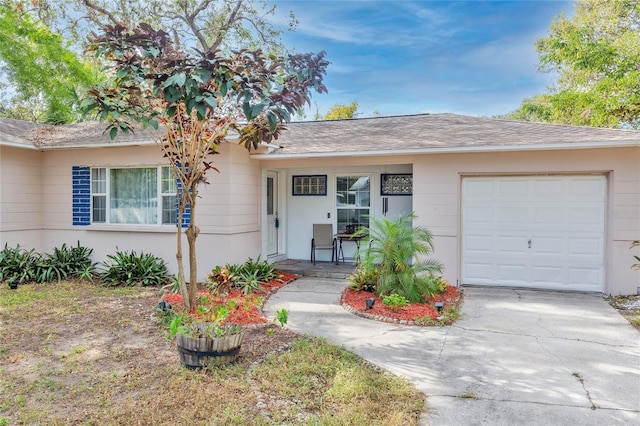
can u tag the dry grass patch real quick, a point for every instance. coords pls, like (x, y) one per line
(80, 354)
(319, 383)
(628, 307)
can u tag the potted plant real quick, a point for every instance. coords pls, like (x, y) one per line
(202, 344)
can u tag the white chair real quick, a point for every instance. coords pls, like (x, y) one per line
(323, 239)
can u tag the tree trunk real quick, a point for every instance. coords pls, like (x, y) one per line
(184, 290)
(192, 232)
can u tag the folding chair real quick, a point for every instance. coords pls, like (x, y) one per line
(323, 239)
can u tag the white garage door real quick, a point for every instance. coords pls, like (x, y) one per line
(534, 231)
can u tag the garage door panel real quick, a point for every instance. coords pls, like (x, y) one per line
(562, 216)
(588, 249)
(547, 246)
(589, 188)
(513, 214)
(583, 278)
(481, 189)
(510, 244)
(511, 272)
(547, 276)
(513, 188)
(479, 216)
(587, 218)
(547, 188)
(479, 243)
(482, 273)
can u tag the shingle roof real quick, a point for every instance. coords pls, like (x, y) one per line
(436, 131)
(401, 134)
(85, 134)
(14, 132)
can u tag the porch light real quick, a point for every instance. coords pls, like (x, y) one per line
(369, 302)
(439, 306)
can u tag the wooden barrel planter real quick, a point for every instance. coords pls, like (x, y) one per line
(205, 348)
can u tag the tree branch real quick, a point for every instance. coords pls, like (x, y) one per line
(95, 7)
(233, 17)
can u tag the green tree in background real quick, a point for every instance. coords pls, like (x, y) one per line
(339, 112)
(596, 54)
(41, 43)
(42, 78)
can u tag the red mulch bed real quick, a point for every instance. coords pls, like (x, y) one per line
(355, 300)
(247, 309)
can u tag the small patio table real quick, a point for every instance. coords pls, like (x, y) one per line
(342, 236)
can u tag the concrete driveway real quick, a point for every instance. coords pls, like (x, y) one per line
(517, 357)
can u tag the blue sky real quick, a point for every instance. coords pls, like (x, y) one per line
(407, 57)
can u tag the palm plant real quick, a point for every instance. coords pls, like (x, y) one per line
(398, 251)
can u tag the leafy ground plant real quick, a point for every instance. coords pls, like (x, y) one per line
(17, 265)
(124, 369)
(131, 268)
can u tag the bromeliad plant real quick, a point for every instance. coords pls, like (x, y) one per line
(197, 97)
(130, 269)
(395, 259)
(17, 265)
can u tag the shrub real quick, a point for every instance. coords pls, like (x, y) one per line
(395, 301)
(246, 277)
(222, 280)
(393, 246)
(65, 262)
(17, 265)
(261, 271)
(365, 278)
(130, 268)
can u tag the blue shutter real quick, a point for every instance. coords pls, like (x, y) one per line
(81, 177)
(186, 216)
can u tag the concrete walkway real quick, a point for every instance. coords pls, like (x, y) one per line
(520, 357)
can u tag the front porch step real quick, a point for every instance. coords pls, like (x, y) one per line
(319, 270)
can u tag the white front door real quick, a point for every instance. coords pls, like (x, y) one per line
(272, 213)
(534, 231)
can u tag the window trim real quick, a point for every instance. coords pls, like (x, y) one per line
(335, 197)
(319, 180)
(406, 189)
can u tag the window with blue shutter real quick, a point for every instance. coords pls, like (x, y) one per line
(126, 196)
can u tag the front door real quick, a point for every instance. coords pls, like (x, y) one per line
(272, 213)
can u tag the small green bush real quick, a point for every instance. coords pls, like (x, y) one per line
(395, 301)
(246, 277)
(365, 278)
(130, 269)
(17, 265)
(65, 262)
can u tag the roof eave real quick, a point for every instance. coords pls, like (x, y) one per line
(18, 145)
(451, 150)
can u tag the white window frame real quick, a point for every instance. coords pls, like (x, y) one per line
(369, 208)
(107, 194)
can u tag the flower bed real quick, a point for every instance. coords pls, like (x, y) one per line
(242, 309)
(413, 314)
